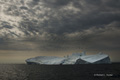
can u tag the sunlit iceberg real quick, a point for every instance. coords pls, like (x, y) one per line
(75, 58)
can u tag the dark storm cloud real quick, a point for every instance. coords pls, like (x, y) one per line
(112, 3)
(34, 2)
(57, 3)
(91, 13)
(70, 24)
(70, 15)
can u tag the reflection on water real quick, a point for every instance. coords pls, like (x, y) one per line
(54, 72)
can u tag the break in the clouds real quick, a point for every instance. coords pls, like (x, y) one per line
(60, 24)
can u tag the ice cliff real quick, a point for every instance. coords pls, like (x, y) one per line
(75, 58)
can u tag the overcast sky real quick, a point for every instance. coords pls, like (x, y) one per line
(55, 26)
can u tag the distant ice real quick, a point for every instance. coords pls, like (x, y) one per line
(75, 58)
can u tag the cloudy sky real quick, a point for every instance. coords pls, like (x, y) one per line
(30, 28)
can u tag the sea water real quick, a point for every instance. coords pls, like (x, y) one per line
(60, 72)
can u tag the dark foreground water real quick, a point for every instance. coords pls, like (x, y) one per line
(55, 72)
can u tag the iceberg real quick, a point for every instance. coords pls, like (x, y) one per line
(46, 60)
(94, 59)
(75, 58)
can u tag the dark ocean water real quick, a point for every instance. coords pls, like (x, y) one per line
(60, 72)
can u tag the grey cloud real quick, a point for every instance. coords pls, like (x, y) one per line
(96, 22)
(57, 3)
(112, 3)
(60, 20)
(100, 39)
(89, 16)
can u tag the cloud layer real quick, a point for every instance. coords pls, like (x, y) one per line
(60, 25)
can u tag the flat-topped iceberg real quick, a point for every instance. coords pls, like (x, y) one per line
(75, 58)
